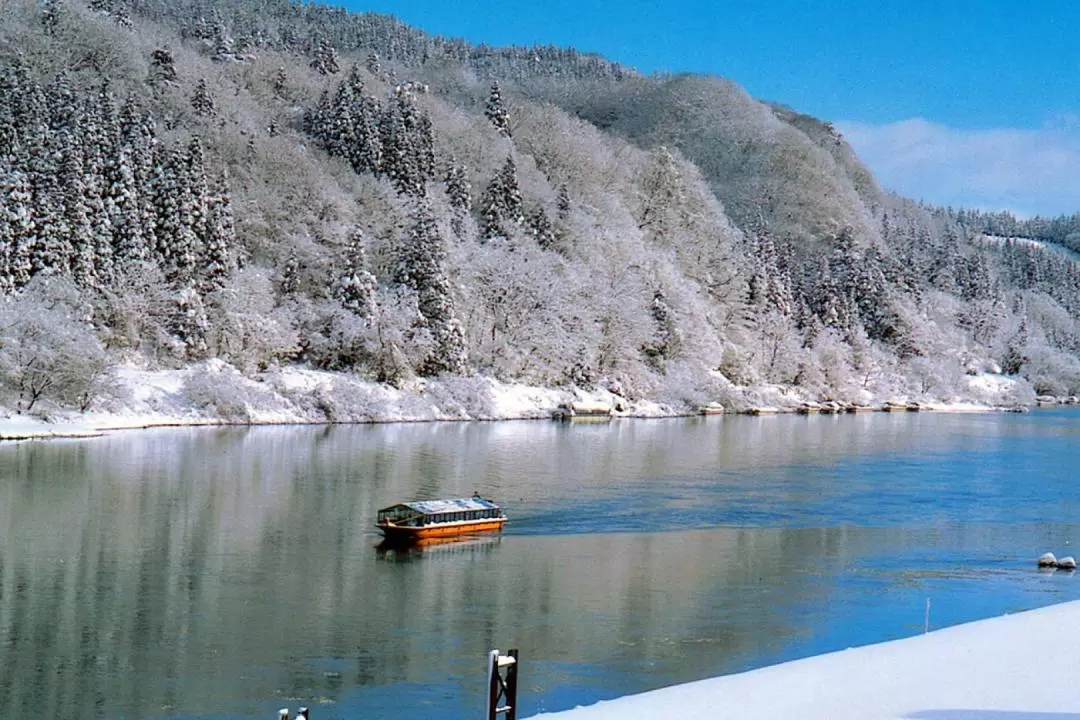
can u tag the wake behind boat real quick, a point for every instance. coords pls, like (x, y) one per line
(428, 519)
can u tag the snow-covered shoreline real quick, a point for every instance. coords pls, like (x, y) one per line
(1013, 667)
(213, 393)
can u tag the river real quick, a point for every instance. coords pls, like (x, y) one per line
(222, 573)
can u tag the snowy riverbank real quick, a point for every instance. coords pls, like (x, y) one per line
(1014, 667)
(214, 393)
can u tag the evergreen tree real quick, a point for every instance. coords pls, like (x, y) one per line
(407, 145)
(290, 274)
(280, 84)
(101, 6)
(177, 216)
(122, 15)
(870, 290)
(325, 59)
(72, 249)
(665, 340)
(348, 124)
(458, 188)
(189, 324)
(562, 203)
(459, 195)
(495, 111)
(162, 68)
(834, 306)
(113, 9)
(373, 64)
(770, 285)
(203, 29)
(662, 197)
(50, 16)
(91, 235)
(224, 46)
(541, 230)
(139, 138)
(65, 113)
(502, 206)
(127, 215)
(355, 125)
(29, 110)
(421, 266)
(219, 237)
(16, 230)
(115, 184)
(51, 249)
(1012, 362)
(202, 102)
(357, 286)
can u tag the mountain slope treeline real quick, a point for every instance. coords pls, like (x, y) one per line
(268, 182)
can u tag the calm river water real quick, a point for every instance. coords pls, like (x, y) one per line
(223, 573)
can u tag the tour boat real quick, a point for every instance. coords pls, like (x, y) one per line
(428, 519)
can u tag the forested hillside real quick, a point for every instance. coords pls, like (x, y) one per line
(276, 184)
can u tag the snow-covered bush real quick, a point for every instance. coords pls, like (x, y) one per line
(48, 348)
(248, 329)
(224, 393)
(1051, 371)
(462, 397)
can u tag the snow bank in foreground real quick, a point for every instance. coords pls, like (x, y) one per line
(1015, 667)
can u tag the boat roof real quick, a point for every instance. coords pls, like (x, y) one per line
(432, 507)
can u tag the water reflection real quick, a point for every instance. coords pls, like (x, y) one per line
(224, 573)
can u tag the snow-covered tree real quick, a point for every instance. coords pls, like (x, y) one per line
(496, 112)
(666, 340)
(662, 199)
(562, 202)
(17, 231)
(48, 349)
(202, 102)
(180, 201)
(458, 193)
(189, 325)
(373, 64)
(502, 207)
(356, 287)
(408, 155)
(422, 267)
(280, 84)
(162, 68)
(324, 59)
(51, 11)
(539, 227)
(215, 262)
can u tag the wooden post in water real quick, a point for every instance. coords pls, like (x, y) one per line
(502, 685)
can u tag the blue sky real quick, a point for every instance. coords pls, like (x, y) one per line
(953, 101)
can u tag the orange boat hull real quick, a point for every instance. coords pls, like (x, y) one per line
(399, 533)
